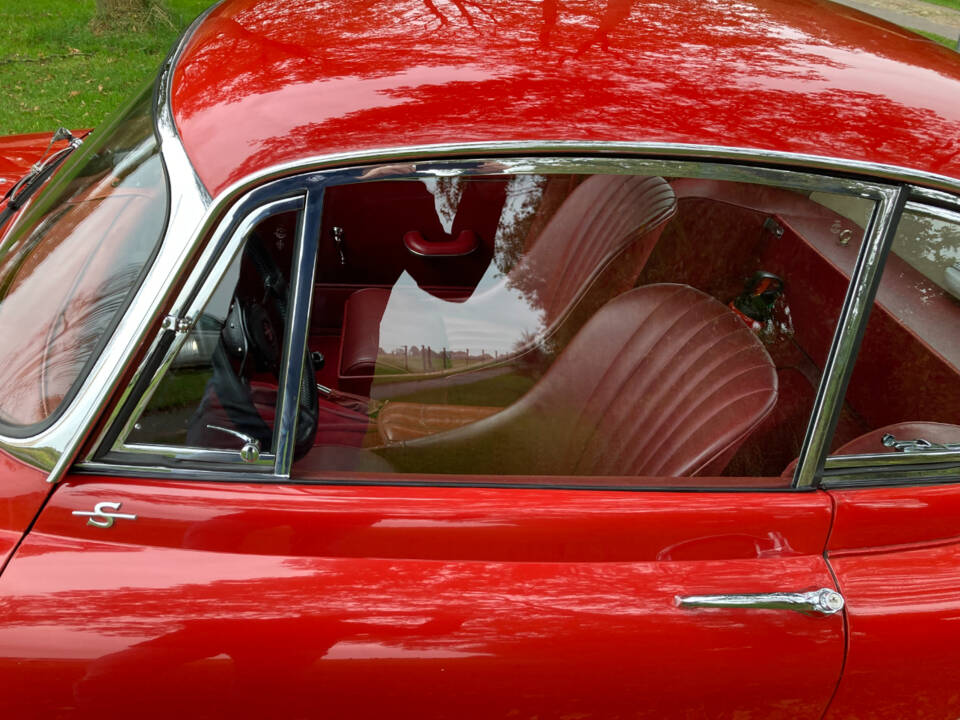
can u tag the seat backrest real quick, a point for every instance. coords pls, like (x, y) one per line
(662, 381)
(591, 249)
(604, 217)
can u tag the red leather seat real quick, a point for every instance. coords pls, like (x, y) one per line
(592, 249)
(662, 381)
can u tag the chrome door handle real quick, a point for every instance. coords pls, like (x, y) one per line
(824, 601)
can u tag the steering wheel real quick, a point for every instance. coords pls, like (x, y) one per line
(250, 336)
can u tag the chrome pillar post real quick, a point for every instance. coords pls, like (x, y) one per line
(295, 343)
(846, 339)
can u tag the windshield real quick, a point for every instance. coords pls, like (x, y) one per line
(69, 269)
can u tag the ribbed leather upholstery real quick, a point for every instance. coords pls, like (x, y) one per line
(601, 219)
(361, 331)
(664, 380)
(592, 249)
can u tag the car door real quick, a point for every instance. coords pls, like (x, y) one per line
(22, 492)
(894, 544)
(254, 600)
(199, 561)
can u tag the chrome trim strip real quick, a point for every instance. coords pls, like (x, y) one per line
(295, 341)
(890, 460)
(934, 185)
(186, 453)
(930, 474)
(851, 324)
(934, 211)
(935, 197)
(171, 144)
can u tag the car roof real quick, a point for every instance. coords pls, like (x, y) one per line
(263, 82)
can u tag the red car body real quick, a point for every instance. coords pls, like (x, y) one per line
(338, 594)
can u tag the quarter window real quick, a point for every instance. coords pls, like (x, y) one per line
(219, 391)
(904, 393)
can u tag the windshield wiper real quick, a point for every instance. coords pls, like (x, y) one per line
(38, 174)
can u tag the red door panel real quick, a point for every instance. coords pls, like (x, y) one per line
(896, 555)
(22, 492)
(307, 601)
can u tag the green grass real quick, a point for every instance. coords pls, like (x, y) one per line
(55, 70)
(955, 4)
(936, 38)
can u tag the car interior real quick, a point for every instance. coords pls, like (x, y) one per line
(585, 325)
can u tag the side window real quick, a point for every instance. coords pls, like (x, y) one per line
(220, 389)
(565, 325)
(905, 388)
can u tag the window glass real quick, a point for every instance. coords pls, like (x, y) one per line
(583, 326)
(906, 381)
(65, 275)
(224, 378)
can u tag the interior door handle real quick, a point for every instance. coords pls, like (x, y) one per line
(824, 601)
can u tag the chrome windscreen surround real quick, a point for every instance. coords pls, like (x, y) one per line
(54, 449)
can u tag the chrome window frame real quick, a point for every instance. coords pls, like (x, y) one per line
(830, 394)
(194, 298)
(884, 469)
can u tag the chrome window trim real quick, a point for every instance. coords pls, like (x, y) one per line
(935, 211)
(295, 339)
(187, 453)
(928, 196)
(943, 188)
(312, 184)
(193, 298)
(857, 303)
(882, 468)
(942, 473)
(890, 460)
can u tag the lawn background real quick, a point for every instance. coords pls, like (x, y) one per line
(55, 69)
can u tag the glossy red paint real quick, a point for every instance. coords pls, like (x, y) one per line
(896, 555)
(22, 491)
(804, 76)
(294, 601)
(17, 154)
